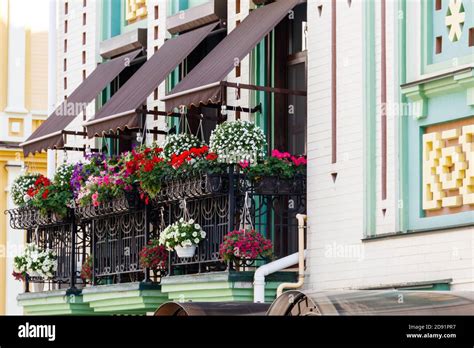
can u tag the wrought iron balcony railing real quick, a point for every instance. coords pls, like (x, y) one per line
(114, 234)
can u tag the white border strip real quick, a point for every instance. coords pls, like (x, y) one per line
(197, 89)
(41, 138)
(100, 120)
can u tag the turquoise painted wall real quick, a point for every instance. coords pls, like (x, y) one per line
(174, 6)
(442, 108)
(445, 101)
(438, 28)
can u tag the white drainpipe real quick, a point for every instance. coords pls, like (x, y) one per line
(280, 264)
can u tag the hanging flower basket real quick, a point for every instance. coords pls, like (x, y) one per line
(183, 237)
(36, 264)
(243, 247)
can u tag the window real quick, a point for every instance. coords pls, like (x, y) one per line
(438, 5)
(439, 45)
(289, 66)
(66, 8)
(84, 3)
(65, 64)
(155, 94)
(65, 83)
(84, 38)
(84, 75)
(36, 124)
(65, 27)
(156, 32)
(157, 12)
(471, 37)
(84, 19)
(237, 6)
(83, 57)
(65, 45)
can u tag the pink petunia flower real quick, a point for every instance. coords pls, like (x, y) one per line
(244, 164)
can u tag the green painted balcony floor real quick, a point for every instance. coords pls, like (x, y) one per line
(55, 302)
(141, 298)
(221, 286)
(128, 298)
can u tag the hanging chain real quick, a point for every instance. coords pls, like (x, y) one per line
(246, 214)
(162, 223)
(185, 210)
(37, 235)
(200, 130)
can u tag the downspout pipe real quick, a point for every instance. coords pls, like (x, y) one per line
(301, 256)
(280, 264)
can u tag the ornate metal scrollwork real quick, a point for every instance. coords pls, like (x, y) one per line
(128, 202)
(192, 186)
(29, 217)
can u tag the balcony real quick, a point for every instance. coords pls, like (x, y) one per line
(115, 233)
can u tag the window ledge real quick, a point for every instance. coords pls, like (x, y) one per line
(413, 232)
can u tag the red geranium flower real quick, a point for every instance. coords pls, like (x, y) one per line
(211, 156)
(149, 165)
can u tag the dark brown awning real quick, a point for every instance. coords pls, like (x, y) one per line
(50, 134)
(203, 84)
(119, 113)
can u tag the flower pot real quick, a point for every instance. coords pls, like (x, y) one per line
(37, 286)
(184, 252)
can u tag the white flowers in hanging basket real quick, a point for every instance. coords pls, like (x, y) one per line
(178, 143)
(238, 141)
(36, 262)
(183, 234)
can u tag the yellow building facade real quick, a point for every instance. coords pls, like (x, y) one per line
(23, 107)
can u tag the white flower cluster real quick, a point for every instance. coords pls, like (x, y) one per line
(62, 177)
(34, 260)
(20, 186)
(182, 233)
(178, 143)
(238, 141)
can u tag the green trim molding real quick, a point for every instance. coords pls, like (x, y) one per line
(369, 118)
(221, 286)
(402, 188)
(418, 92)
(137, 298)
(56, 302)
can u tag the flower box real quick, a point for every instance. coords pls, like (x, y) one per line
(128, 202)
(30, 217)
(271, 185)
(192, 186)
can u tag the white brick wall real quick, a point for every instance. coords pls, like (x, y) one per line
(245, 95)
(338, 257)
(73, 55)
(162, 36)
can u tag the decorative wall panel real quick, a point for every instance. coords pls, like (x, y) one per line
(448, 168)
